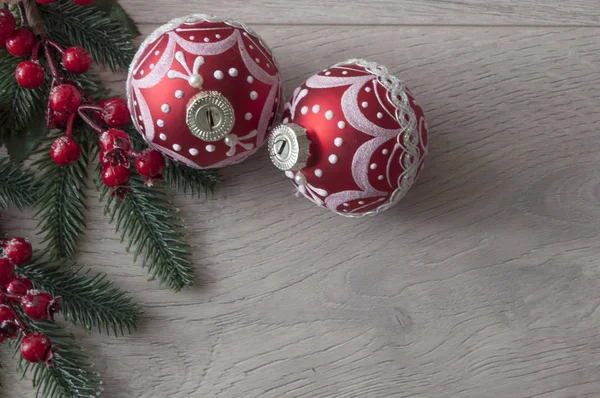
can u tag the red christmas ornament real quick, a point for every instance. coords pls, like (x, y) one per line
(7, 271)
(114, 176)
(18, 251)
(40, 306)
(353, 139)
(9, 329)
(65, 151)
(19, 286)
(204, 91)
(37, 347)
(30, 74)
(65, 99)
(21, 42)
(77, 60)
(116, 113)
(8, 23)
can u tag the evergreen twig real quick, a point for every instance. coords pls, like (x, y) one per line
(145, 218)
(90, 301)
(71, 376)
(61, 203)
(107, 40)
(190, 181)
(17, 187)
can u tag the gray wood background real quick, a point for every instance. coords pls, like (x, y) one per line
(485, 282)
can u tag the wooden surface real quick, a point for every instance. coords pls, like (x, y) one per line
(484, 282)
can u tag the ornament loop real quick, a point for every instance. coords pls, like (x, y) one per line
(210, 116)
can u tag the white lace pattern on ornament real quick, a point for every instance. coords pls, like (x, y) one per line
(407, 137)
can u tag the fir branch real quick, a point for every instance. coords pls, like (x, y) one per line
(61, 203)
(90, 301)
(17, 188)
(70, 377)
(189, 181)
(145, 218)
(109, 43)
(19, 106)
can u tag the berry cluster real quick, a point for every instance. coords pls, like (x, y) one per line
(16, 291)
(67, 100)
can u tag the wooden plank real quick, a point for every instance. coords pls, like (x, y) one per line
(388, 12)
(483, 283)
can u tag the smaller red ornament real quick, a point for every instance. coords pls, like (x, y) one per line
(40, 306)
(65, 99)
(77, 60)
(18, 251)
(21, 42)
(9, 329)
(19, 286)
(83, 2)
(150, 164)
(116, 113)
(7, 271)
(30, 74)
(65, 151)
(8, 23)
(115, 176)
(36, 347)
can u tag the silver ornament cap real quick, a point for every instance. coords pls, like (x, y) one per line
(289, 147)
(210, 116)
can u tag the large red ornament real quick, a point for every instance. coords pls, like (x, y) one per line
(204, 91)
(353, 139)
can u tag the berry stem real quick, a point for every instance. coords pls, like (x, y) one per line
(55, 45)
(70, 124)
(51, 62)
(88, 120)
(23, 14)
(36, 51)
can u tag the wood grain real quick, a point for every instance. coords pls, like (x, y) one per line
(484, 282)
(378, 12)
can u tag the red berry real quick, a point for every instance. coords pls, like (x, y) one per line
(7, 271)
(116, 113)
(114, 176)
(58, 120)
(115, 139)
(9, 329)
(20, 43)
(36, 347)
(65, 99)
(150, 163)
(18, 251)
(46, 1)
(77, 60)
(8, 23)
(83, 2)
(40, 306)
(19, 286)
(65, 151)
(30, 74)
